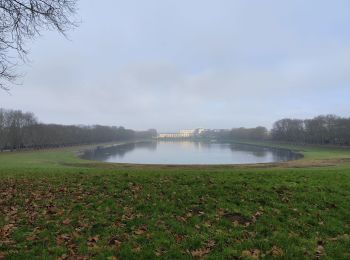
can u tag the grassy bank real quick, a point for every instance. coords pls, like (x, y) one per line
(54, 204)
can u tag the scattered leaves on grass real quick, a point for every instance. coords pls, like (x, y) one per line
(63, 239)
(5, 231)
(109, 207)
(200, 252)
(128, 214)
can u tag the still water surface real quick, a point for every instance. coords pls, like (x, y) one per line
(188, 152)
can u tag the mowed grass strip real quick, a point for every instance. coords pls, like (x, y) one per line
(53, 205)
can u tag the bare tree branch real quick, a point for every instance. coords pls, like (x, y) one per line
(21, 21)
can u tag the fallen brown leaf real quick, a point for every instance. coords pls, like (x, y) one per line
(319, 252)
(257, 215)
(63, 257)
(340, 237)
(178, 238)
(62, 239)
(115, 242)
(66, 221)
(211, 243)
(252, 253)
(200, 252)
(2, 256)
(137, 249)
(92, 241)
(139, 232)
(276, 251)
(181, 219)
(31, 238)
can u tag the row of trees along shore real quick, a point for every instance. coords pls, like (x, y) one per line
(324, 129)
(19, 130)
(329, 129)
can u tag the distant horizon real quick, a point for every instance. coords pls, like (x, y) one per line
(177, 129)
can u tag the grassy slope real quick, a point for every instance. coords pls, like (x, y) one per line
(53, 204)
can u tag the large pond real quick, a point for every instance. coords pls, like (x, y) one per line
(188, 152)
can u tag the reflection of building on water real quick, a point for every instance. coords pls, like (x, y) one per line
(186, 143)
(188, 133)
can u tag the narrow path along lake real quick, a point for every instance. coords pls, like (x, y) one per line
(189, 153)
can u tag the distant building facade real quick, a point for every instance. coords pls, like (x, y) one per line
(186, 133)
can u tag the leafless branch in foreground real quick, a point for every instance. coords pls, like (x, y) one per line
(21, 21)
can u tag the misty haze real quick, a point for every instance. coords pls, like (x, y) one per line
(174, 129)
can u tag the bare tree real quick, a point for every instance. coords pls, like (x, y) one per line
(19, 130)
(22, 20)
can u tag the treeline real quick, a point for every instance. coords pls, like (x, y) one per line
(328, 129)
(256, 134)
(324, 129)
(20, 130)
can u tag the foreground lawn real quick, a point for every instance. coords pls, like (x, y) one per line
(53, 205)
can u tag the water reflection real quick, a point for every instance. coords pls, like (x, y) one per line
(188, 152)
(256, 150)
(103, 153)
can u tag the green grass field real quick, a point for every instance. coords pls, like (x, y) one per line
(54, 205)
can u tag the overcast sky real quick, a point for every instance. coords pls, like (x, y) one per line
(172, 64)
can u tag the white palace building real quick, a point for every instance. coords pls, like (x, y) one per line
(187, 133)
